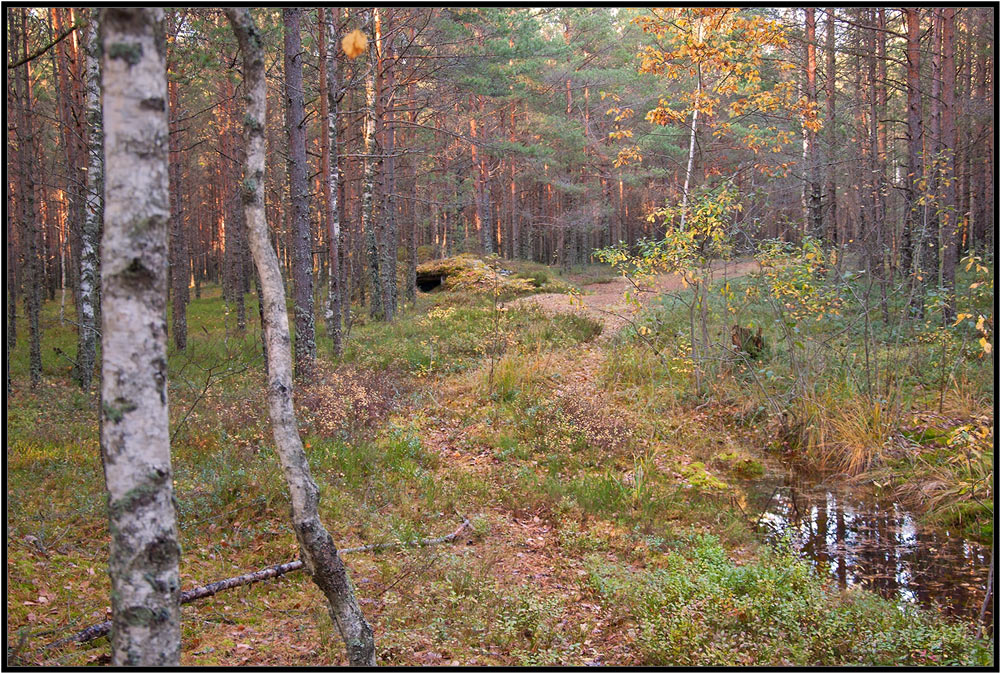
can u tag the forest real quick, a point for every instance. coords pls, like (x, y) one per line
(500, 336)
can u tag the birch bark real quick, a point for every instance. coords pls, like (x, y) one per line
(91, 230)
(302, 271)
(368, 188)
(135, 439)
(332, 170)
(319, 554)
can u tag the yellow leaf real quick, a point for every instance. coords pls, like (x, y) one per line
(979, 324)
(987, 346)
(960, 318)
(354, 44)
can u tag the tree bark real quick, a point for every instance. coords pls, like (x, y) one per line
(302, 274)
(815, 201)
(88, 291)
(832, 232)
(318, 552)
(368, 187)
(390, 238)
(949, 145)
(913, 232)
(178, 239)
(135, 439)
(330, 109)
(31, 226)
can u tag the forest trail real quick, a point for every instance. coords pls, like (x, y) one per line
(525, 552)
(605, 302)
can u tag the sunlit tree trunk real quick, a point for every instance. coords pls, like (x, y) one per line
(368, 183)
(319, 553)
(135, 438)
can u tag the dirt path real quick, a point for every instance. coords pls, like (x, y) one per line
(605, 301)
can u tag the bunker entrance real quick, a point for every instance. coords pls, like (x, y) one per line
(428, 281)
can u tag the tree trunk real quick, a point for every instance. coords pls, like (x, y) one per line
(932, 158)
(330, 166)
(389, 238)
(832, 232)
(411, 228)
(88, 291)
(178, 238)
(319, 554)
(949, 144)
(482, 187)
(31, 226)
(815, 200)
(913, 233)
(305, 339)
(368, 188)
(135, 438)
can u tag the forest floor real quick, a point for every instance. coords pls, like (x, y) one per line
(608, 525)
(604, 301)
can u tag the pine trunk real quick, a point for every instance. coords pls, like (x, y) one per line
(949, 144)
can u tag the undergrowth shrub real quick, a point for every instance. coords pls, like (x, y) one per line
(703, 609)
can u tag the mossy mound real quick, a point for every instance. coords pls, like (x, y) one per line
(471, 274)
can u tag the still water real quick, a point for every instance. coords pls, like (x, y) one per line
(860, 540)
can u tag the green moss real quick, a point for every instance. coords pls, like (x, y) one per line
(131, 53)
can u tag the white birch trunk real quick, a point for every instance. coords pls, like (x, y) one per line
(368, 188)
(89, 263)
(319, 554)
(691, 145)
(135, 438)
(333, 186)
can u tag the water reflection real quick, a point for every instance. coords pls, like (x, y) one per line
(860, 540)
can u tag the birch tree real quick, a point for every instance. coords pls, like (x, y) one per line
(330, 86)
(319, 553)
(86, 352)
(305, 340)
(368, 184)
(135, 438)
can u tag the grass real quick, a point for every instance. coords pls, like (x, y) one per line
(695, 607)
(602, 502)
(824, 399)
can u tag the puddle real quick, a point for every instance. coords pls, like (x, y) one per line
(860, 540)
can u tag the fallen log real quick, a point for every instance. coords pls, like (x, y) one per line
(95, 631)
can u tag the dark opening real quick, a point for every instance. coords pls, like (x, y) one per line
(428, 281)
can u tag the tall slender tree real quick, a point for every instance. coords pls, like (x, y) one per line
(319, 553)
(949, 146)
(135, 438)
(913, 230)
(368, 224)
(330, 149)
(301, 231)
(88, 294)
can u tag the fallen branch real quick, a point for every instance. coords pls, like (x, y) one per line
(95, 631)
